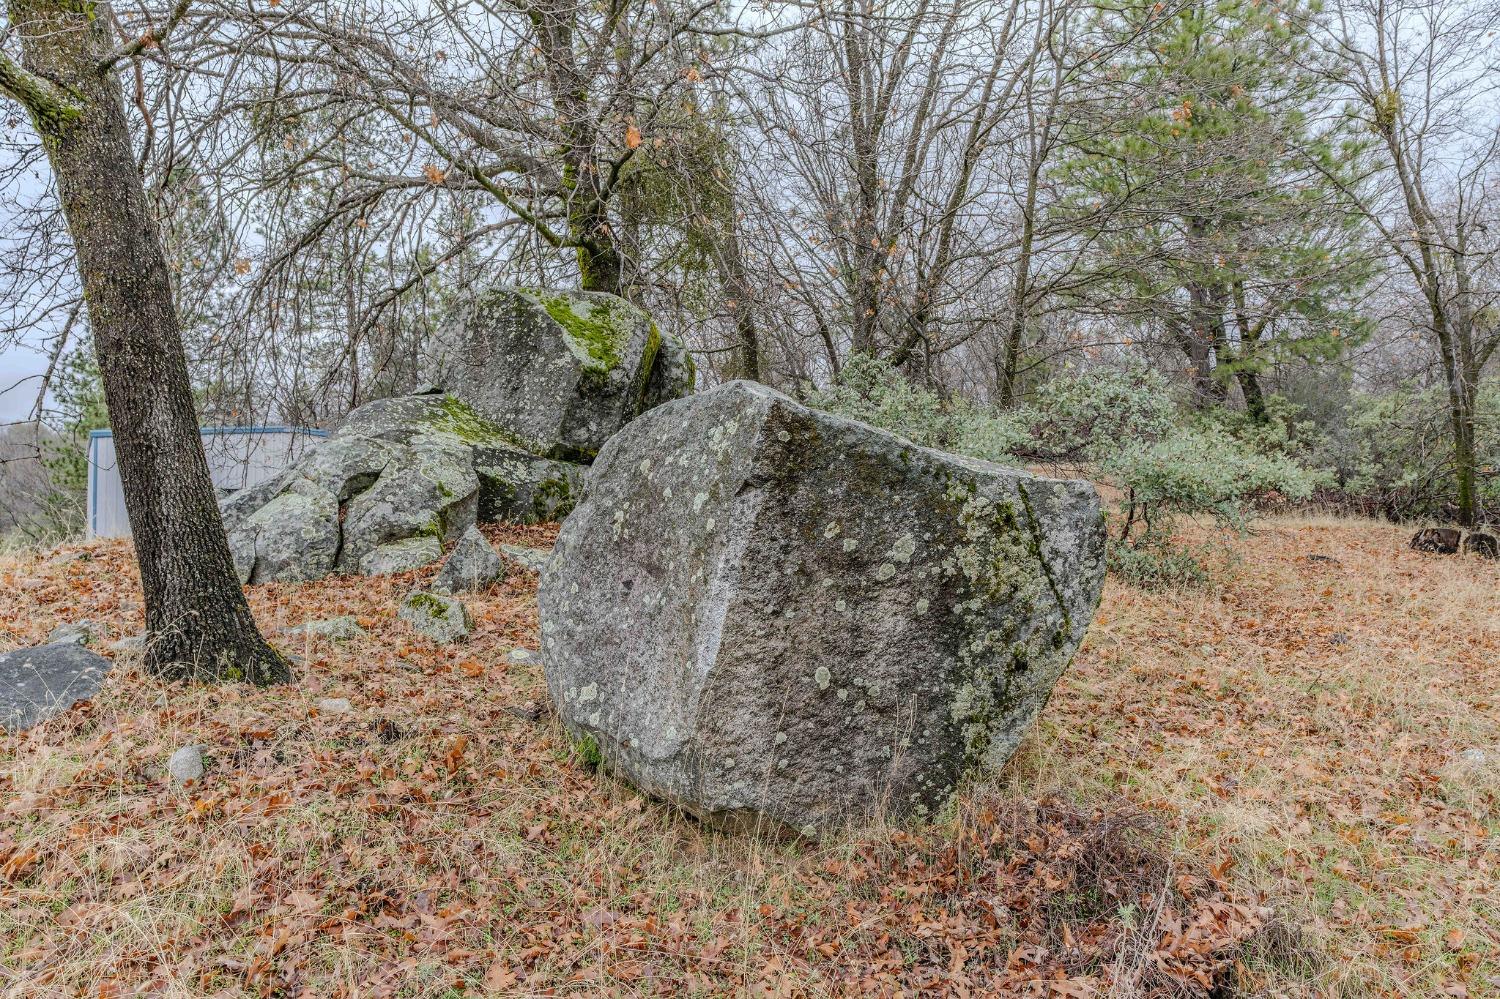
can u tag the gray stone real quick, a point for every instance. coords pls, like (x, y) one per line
(335, 629)
(530, 559)
(673, 376)
(42, 682)
(438, 616)
(77, 632)
(563, 370)
(401, 556)
(525, 489)
(185, 766)
(335, 706)
(398, 478)
(773, 616)
(130, 645)
(472, 565)
(522, 657)
(294, 537)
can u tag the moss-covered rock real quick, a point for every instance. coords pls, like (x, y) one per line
(766, 613)
(560, 371)
(398, 479)
(442, 618)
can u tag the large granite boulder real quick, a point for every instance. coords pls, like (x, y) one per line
(771, 615)
(398, 478)
(562, 370)
(40, 683)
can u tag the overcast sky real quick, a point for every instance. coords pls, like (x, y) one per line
(18, 363)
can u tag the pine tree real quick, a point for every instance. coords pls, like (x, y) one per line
(1204, 198)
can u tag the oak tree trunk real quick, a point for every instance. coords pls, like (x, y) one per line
(198, 623)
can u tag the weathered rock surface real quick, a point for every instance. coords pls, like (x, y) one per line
(130, 645)
(185, 767)
(40, 683)
(335, 629)
(438, 616)
(398, 478)
(472, 565)
(765, 613)
(525, 489)
(530, 559)
(401, 556)
(77, 632)
(562, 370)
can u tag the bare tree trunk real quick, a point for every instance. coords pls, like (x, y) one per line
(735, 281)
(601, 264)
(198, 623)
(1244, 359)
(1020, 313)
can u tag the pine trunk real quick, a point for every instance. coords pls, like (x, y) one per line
(198, 623)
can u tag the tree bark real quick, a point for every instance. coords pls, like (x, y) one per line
(601, 263)
(1245, 358)
(734, 279)
(198, 623)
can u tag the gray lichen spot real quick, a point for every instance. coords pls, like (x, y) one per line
(822, 677)
(904, 548)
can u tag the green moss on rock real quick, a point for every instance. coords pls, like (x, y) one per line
(457, 418)
(598, 330)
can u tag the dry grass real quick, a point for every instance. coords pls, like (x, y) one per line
(1305, 728)
(1297, 735)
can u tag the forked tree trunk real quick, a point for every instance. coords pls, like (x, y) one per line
(198, 623)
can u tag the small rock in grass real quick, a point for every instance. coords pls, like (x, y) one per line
(186, 766)
(522, 656)
(1475, 757)
(402, 556)
(77, 632)
(335, 706)
(530, 559)
(472, 565)
(438, 616)
(335, 629)
(130, 645)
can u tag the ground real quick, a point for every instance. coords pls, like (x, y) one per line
(1284, 786)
